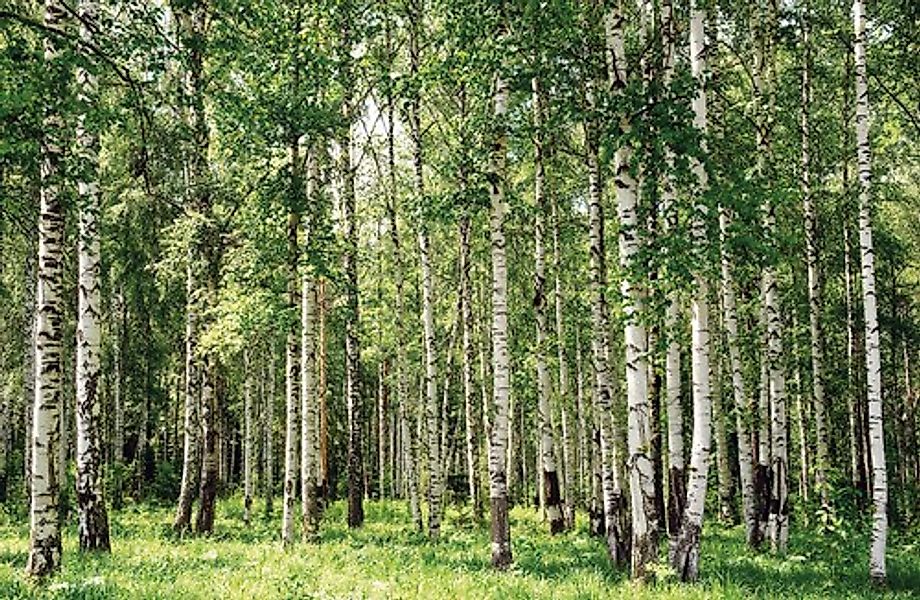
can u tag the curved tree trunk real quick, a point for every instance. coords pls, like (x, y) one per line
(873, 351)
(94, 523)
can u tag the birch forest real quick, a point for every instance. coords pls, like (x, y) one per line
(459, 299)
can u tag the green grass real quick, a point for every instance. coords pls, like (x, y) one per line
(386, 559)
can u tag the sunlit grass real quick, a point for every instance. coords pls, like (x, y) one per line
(387, 559)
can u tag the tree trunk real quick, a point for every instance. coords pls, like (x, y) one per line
(814, 283)
(570, 436)
(686, 556)
(470, 412)
(30, 317)
(118, 433)
(720, 414)
(431, 364)
(191, 462)
(777, 524)
(501, 378)
(45, 534)
(308, 441)
(268, 471)
(404, 399)
(93, 523)
(247, 436)
(292, 354)
(547, 451)
(355, 405)
(873, 353)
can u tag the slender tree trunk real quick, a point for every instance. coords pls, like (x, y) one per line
(191, 462)
(802, 414)
(584, 456)
(355, 405)
(547, 451)
(308, 440)
(770, 483)
(857, 475)
(641, 469)
(45, 534)
(470, 412)
(118, 433)
(778, 506)
(873, 353)
(292, 353)
(720, 414)
(247, 436)
(210, 463)
(814, 283)
(501, 382)
(94, 522)
(569, 456)
(406, 412)
(269, 451)
(30, 318)
(686, 556)
(617, 543)
(424, 242)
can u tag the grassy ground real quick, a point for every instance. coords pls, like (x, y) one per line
(386, 559)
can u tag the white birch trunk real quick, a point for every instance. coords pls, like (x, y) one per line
(744, 417)
(93, 520)
(292, 361)
(552, 502)
(469, 406)
(641, 468)
(501, 377)
(268, 471)
(676, 464)
(685, 559)
(809, 211)
(873, 352)
(247, 436)
(569, 437)
(308, 440)
(45, 534)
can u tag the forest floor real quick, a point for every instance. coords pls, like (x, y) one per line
(385, 559)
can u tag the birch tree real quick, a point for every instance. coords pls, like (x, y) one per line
(686, 554)
(93, 523)
(432, 414)
(501, 375)
(44, 516)
(292, 351)
(873, 351)
(809, 211)
(547, 450)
